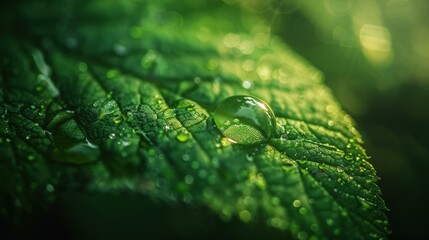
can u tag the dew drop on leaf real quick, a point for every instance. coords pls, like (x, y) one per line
(117, 119)
(245, 120)
(182, 137)
(296, 203)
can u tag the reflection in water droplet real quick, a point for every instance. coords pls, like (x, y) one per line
(117, 119)
(245, 120)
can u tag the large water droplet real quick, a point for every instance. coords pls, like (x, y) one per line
(245, 120)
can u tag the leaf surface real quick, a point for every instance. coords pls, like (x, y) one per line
(111, 96)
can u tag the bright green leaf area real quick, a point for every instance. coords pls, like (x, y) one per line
(111, 96)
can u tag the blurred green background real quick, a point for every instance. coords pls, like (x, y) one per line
(375, 58)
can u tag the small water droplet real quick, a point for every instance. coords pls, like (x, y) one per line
(112, 136)
(252, 119)
(182, 137)
(117, 119)
(283, 137)
(226, 142)
(246, 84)
(296, 203)
(249, 157)
(169, 113)
(349, 157)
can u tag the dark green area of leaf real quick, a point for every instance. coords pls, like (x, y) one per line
(112, 96)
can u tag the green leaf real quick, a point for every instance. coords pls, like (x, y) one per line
(113, 96)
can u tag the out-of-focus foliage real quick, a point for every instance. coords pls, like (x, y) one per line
(374, 55)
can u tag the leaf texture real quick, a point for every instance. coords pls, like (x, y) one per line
(111, 96)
